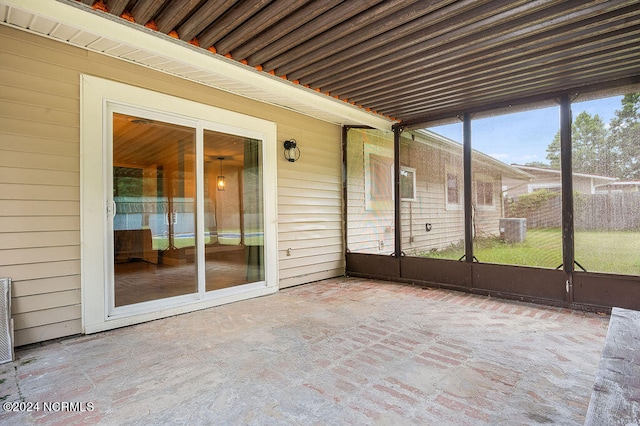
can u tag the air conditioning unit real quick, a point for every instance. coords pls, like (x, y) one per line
(6, 323)
(513, 230)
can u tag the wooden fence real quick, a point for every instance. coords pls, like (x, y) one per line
(594, 212)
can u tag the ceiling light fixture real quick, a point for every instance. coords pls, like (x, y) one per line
(220, 182)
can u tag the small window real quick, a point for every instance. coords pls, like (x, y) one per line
(381, 177)
(484, 193)
(407, 184)
(453, 189)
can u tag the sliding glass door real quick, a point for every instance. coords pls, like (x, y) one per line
(233, 234)
(162, 169)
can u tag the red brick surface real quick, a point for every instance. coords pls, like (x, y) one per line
(340, 351)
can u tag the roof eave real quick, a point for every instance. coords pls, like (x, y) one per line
(214, 70)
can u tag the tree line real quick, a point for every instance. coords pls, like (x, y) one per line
(607, 150)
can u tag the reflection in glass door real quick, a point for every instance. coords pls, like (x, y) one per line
(233, 228)
(154, 192)
(158, 239)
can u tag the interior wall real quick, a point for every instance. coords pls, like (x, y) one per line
(40, 178)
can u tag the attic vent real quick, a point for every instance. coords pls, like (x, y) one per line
(6, 324)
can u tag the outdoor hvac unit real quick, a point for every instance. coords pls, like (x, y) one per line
(6, 323)
(513, 230)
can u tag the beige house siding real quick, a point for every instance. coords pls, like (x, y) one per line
(40, 178)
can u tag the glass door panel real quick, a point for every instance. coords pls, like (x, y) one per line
(154, 192)
(233, 212)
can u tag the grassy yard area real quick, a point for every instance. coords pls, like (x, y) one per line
(597, 251)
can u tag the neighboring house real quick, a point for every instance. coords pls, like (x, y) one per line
(619, 186)
(551, 179)
(432, 192)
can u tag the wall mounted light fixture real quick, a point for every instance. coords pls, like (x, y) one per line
(291, 151)
(220, 182)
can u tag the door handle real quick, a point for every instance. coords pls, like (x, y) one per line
(111, 208)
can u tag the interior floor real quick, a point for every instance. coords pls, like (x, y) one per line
(140, 281)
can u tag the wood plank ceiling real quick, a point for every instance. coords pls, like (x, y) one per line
(412, 60)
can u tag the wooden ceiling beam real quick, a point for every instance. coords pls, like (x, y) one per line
(504, 106)
(326, 28)
(489, 41)
(589, 68)
(488, 78)
(283, 29)
(518, 87)
(512, 55)
(416, 32)
(144, 10)
(203, 17)
(258, 23)
(174, 13)
(449, 30)
(232, 19)
(116, 7)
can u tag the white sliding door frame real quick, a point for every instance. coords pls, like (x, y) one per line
(100, 98)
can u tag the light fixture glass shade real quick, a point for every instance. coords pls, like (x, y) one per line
(220, 181)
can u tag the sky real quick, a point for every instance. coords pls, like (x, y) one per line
(524, 137)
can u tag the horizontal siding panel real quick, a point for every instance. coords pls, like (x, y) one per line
(306, 176)
(39, 302)
(300, 184)
(48, 316)
(39, 192)
(323, 275)
(45, 285)
(31, 160)
(303, 262)
(315, 234)
(47, 332)
(31, 97)
(316, 250)
(320, 155)
(39, 223)
(32, 271)
(308, 193)
(309, 217)
(39, 114)
(39, 145)
(300, 210)
(317, 166)
(38, 255)
(39, 177)
(31, 66)
(294, 201)
(34, 128)
(40, 84)
(320, 244)
(302, 227)
(39, 208)
(39, 239)
(318, 267)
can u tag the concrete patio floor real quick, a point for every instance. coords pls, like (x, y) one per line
(339, 351)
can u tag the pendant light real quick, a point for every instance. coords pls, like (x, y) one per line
(220, 182)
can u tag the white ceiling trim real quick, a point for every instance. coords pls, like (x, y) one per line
(71, 23)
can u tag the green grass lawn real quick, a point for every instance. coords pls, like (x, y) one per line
(597, 251)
